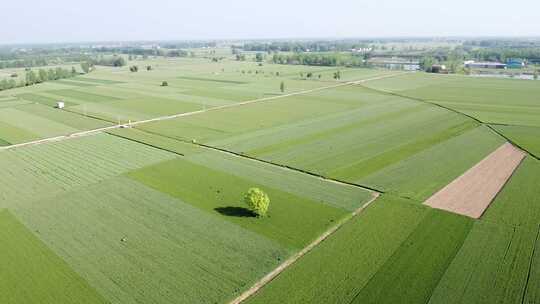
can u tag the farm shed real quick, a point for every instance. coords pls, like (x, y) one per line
(484, 65)
(515, 63)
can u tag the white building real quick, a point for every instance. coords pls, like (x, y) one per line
(60, 105)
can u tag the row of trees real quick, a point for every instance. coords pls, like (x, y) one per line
(502, 54)
(304, 46)
(114, 61)
(329, 59)
(40, 76)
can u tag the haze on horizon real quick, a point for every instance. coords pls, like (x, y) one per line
(73, 21)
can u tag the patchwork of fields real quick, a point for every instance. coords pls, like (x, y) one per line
(154, 213)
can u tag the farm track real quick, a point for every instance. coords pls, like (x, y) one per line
(168, 117)
(290, 261)
(487, 124)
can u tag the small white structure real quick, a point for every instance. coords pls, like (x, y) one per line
(60, 105)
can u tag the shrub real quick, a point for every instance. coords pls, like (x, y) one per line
(257, 201)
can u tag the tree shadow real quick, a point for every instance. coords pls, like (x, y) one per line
(235, 211)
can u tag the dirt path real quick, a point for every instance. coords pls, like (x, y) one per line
(272, 275)
(265, 99)
(471, 193)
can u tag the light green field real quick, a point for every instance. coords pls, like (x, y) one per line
(502, 101)
(171, 252)
(42, 170)
(362, 137)
(293, 221)
(101, 187)
(526, 137)
(338, 269)
(32, 273)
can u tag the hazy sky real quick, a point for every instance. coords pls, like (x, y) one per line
(73, 20)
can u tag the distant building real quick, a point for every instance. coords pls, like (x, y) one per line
(60, 105)
(515, 63)
(362, 50)
(411, 66)
(395, 64)
(439, 68)
(484, 65)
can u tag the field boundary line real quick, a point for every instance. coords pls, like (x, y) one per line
(486, 124)
(290, 261)
(168, 117)
(526, 289)
(267, 162)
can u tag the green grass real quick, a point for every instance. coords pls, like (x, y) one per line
(491, 267)
(64, 117)
(489, 100)
(220, 124)
(340, 267)
(47, 169)
(495, 262)
(525, 137)
(171, 251)
(212, 80)
(415, 268)
(45, 100)
(350, 134)
(292, 221)
(97, 81)
(424, 173)
(338, 195)
(4, 142)
(532, 291)
(518, 203)
(187, 241)
(157, 141)
(12, 135)
(82, 96)
(34, 124)
(154, 107)
(32, 273)
(75, 83)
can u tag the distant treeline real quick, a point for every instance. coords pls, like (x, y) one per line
(322, 59)
(114, 61)
(504, 43)
(26, 58)
(138, 51)
(502, 54)
(42, 75)
(189, 44)
(36, 60)
(314, 46)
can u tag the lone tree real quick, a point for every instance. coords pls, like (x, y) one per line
(282, 87)
(164, 84)
(257, 201)
(259, 57)
(85, 66)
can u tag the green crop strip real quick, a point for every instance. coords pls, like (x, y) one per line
(32, 273)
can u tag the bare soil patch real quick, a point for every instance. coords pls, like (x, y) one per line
(471, 193)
